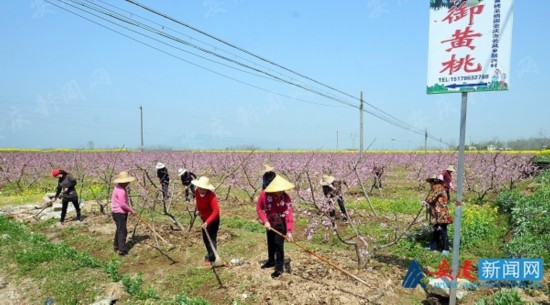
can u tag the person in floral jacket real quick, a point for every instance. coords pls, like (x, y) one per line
(438, 209)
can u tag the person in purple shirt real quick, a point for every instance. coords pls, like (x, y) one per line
(448, 181)
(120, 209)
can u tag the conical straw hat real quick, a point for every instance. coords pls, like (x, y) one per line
(279, 184)
(124, 177)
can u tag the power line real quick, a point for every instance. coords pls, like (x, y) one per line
(273, 63)
(97, 8)
(180, 58)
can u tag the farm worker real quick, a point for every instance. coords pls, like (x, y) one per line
(186, 178)
(275, 212)
(162, 174)
(209, 210)
(448, 180)
(268, 176)
(378, 171)
(66, 191)
(332, 189)
(120, 209)
(440, 217)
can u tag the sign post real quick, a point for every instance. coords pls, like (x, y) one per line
(469, 51)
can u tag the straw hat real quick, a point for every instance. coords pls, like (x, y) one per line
(160, 165)
(326, 180)
(433, 178)
(279, 184)
(181, 171)
(124, 177)
(451, 168)
(203, 183)
(268, 168)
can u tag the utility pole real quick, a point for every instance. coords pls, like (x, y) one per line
(361, 127)
(336, 139)
(426, 140)
(141, 120)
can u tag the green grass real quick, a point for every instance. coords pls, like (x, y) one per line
(70, 276)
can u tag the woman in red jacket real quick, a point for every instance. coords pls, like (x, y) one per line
(209, 210)
(275, 212)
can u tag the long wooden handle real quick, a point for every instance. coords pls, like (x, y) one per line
(324, 260)
(212, 245)
(150, 228)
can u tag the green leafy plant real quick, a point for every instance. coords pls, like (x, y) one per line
(531, 226)
(111, 268)
(133, 287)
(502, 297)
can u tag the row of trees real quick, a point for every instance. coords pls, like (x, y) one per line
(238, 180)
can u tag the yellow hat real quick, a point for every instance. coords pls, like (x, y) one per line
(279, 184)
(326, 180)
(451, 168)
(124, 177)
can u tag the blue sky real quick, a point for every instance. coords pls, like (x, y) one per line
(67, 82)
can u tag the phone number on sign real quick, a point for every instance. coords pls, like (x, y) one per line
(463, 78)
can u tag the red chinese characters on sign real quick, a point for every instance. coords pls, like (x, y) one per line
(464, 271)
(462, 38)
(455, 65)
(457, 13)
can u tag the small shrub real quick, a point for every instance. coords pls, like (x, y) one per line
(506, 201)
(133, 287)
(111, 268)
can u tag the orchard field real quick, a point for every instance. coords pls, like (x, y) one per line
(505, 215)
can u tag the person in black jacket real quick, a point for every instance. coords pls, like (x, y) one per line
(332, 189)
(162, 174)
(186, 178)
(67, 192)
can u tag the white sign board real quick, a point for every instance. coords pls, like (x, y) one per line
(470, 45)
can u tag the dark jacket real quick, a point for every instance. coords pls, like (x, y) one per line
(334, 190)
(162, 174)
(66, 187)
(187, 177)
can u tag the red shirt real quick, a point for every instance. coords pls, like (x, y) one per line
(275, 209)
(207, 206)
